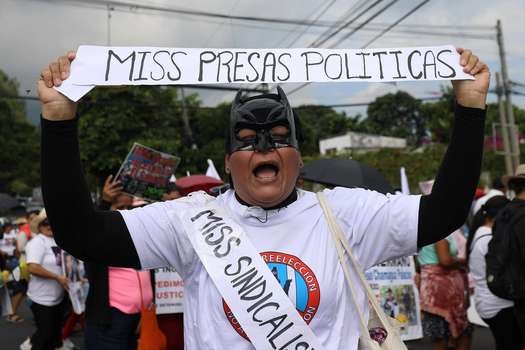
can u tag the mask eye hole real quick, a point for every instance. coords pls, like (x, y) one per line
(279, 132)
(246, 135)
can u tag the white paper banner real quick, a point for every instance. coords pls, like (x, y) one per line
(169, 291)
(100, 65)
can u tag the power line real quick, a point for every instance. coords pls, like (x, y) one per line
(401, 19)
(339, 105)
(312, 22)
(363, 24)
(321, 42)
(347, 35)
(134, 6)
(182, 11)
(358, 5)
(515, 83)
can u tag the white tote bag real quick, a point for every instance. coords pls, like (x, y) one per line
(377, 317)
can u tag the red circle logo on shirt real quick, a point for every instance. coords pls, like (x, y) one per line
(296, 279)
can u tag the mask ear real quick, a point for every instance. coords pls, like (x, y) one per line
(238, 99)
(282, 96)
(289, 115)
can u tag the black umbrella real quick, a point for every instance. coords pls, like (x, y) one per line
(7, 202)
(346, 173)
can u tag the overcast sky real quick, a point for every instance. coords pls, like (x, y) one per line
(33, 32)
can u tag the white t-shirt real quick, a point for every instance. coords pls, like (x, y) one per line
(298, 248)
(43, 250)
(487, 304)
(8, 243)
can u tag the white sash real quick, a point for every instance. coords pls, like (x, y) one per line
(255, 297)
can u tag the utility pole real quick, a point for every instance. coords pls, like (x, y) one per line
(185, 120)
(504, 126)
(514, 135)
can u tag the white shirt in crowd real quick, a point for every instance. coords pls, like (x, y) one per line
(295, 243)
(8, 243)
(487, 304)
(43, 250)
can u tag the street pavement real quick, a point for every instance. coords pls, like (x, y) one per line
(12, 335)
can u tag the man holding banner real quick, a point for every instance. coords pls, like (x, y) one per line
(259, 266)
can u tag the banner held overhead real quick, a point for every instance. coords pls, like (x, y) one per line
(99, 65)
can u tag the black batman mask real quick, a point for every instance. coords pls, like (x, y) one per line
(261, 113)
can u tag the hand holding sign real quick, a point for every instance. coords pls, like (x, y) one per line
(472, 93)
(56, 106)
(97, 65)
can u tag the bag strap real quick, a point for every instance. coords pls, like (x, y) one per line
(476, 240)
(340, 252)
(340, 240)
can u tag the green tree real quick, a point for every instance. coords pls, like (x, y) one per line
(398, 115)
(112, 119)
(19, 153)
(440, 115)
(320, 122)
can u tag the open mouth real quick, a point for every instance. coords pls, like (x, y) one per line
(266, 171)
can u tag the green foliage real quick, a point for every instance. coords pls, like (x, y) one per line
(320, 122)
(397, 115)
(112, 119)
(440, 115)
(19, 153)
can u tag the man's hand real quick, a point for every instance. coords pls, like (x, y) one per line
(111, 190)
(56, 106)
(64, 282)
(472, 93)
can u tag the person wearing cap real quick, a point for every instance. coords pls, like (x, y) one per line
(47, 286)
(284, 224)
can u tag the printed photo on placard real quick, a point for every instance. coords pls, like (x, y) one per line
(145, 173)
(74, 270)
(395, 289)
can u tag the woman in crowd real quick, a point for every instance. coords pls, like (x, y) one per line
(286, 225)
(444, 295)
(46, 286)
(498, 313)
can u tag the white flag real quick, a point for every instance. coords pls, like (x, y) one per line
(212, 172)
(405, 189)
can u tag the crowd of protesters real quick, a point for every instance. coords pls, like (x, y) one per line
(116, 242)
(118, 294)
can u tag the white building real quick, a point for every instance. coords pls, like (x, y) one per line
(358, 141)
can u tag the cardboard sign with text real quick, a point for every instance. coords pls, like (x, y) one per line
(169, 291)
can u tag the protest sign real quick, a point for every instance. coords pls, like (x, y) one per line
(146, 172)
(169, 291)
(74, 270)
(393, 283)
(104, 65)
